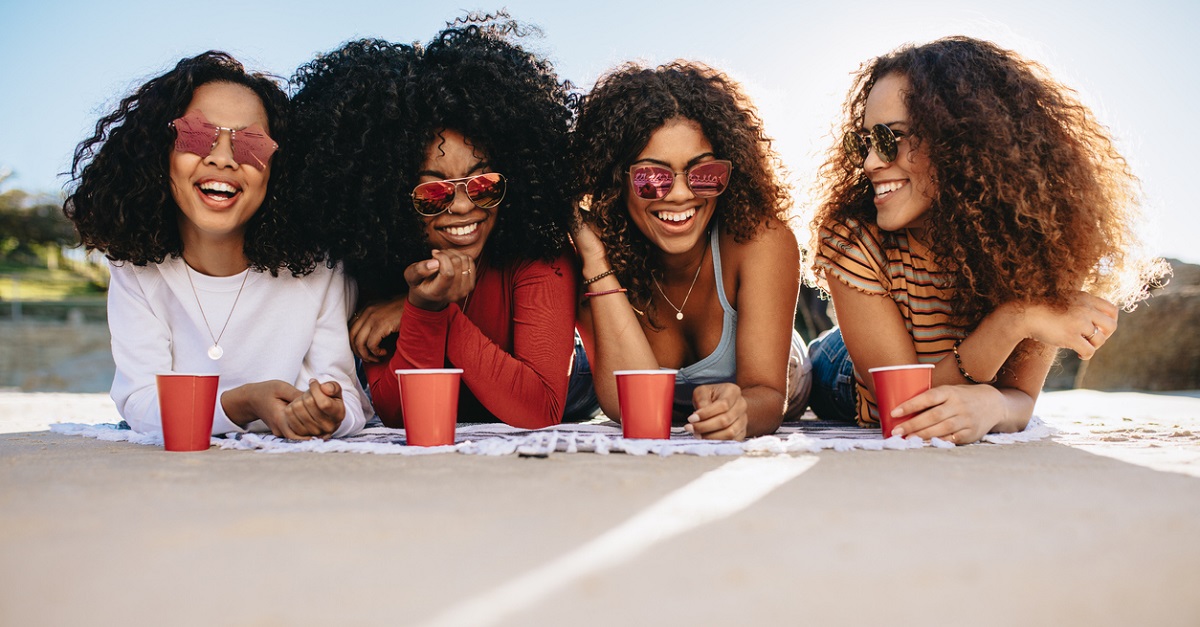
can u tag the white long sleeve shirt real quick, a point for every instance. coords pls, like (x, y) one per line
(287, 328)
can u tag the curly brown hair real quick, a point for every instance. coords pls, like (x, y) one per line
(121, 202)
(365, 114)
(614, 123)
(1032, 200)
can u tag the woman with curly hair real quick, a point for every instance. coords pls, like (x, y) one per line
(175, 188)
(687, 259)
(439, 173)
(975, 216)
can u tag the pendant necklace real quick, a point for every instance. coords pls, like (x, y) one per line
(215, 351)
(679, 309)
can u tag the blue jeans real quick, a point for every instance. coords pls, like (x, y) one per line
(833, 395)
(582, 403)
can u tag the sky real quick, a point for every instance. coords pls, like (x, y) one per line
(64, 64)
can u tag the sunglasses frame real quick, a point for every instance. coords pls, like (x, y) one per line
(197, 117)
(466, 190)
(686, 178)
(881, 138)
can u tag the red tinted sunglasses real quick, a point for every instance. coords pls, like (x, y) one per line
(251, 146)
(485, 190)
(706, 180)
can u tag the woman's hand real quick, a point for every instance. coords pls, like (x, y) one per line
(265, 401)
(435, 283)
(960, 414)
(317, 412)
(589, 247)
(1084, 326)
(720, 412)
(369, 327)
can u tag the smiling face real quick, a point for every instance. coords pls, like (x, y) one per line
(216, 195)
(677, 222)
(904, 188)
(464, 227)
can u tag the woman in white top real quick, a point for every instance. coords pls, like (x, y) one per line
(175, 188)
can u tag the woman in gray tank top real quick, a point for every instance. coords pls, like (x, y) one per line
(687, 260)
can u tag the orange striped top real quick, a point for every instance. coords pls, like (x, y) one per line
(895, 265)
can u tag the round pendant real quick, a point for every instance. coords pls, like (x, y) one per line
(215, 352)
(678, 316)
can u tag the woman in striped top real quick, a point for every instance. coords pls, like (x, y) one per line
(977, 217)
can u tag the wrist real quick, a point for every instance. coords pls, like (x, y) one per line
(236, 403)
(424, 303)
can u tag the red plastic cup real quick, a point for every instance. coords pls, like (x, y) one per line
(429, 400)
(646, 398)
(896, 384)
(187, 403)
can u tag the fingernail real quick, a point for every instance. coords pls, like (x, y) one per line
(896, 413)
(312, 380)
(689, 429)
(432, 264)
(898, 431)
(693, 418)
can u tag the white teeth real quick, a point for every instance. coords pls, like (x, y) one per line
(217, 186)
(462, 230)
(675, 216)
(890, 186)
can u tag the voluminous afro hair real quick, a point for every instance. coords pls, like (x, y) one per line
(121, 201)
(614, 124)
(1032, 202)
(366, 114)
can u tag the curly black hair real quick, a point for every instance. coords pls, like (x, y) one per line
(1025, 177)
(121, 202)
(614, 124)
(366, 113)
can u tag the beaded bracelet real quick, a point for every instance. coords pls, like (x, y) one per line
(598, 277)
(619, 290)
(963, 371)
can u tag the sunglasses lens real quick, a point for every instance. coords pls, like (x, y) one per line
(433, 198)
(709, 179)
(194, 134)
(855, 147)
(651, 182)
(486, 190)
(253, 147)
(884, 141)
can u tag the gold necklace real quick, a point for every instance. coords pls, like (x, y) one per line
(679, 309)
(215, 351)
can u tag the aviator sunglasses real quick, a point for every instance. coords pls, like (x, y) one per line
(435, 197)
(251, 146)
(858, 144)
(706, 180)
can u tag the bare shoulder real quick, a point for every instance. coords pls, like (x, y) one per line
(774, 244)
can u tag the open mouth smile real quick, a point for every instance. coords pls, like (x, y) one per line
(884, 190)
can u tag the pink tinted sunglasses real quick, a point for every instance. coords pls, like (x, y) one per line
(654, 182)
(251, 145)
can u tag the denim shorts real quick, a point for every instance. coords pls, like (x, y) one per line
(582, 403)
(833, 390)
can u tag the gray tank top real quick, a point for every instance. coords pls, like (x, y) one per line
(720, 366)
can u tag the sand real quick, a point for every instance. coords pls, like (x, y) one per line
(1099, 526)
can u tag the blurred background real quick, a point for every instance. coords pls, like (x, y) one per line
(64, 64)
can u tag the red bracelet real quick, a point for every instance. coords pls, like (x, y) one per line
(619, 290)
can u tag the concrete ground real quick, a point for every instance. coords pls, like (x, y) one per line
(1047, 533)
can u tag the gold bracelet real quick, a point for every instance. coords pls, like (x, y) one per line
(598, 277)
(963, 371)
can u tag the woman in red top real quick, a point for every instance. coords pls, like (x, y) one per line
(439, 170)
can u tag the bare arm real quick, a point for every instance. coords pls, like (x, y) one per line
(768, 284)
(611, 332)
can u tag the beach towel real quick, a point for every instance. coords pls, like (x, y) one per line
(601, 437)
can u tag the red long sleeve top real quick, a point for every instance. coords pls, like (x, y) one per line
(513, 339)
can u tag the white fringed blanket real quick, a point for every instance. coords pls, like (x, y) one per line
(603, 438)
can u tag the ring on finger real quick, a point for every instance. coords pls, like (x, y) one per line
(954, 438)
(1095, 330)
